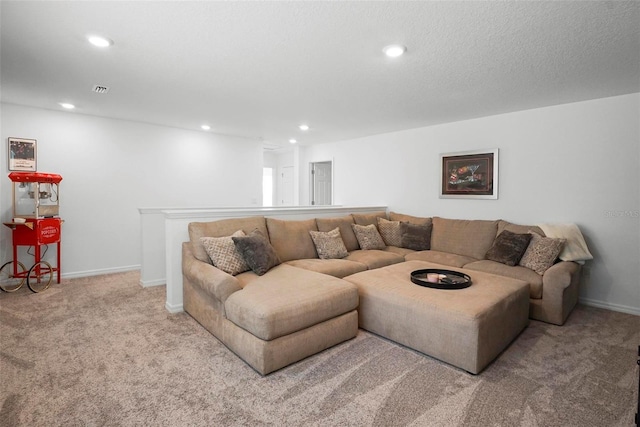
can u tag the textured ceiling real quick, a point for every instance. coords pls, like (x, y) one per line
(258, 69)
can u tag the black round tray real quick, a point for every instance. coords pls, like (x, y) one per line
(451, 279)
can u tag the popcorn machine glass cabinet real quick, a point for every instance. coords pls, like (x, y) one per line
(35, 195)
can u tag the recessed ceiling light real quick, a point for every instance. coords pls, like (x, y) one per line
(293, 141)
(205, 127)
(394, 50)
(66, 105)
(304, 127)
(100, 41)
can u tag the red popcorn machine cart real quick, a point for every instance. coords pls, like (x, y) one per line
(35, 224)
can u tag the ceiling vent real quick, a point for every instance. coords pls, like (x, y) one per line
(268, 146)
(100, 89)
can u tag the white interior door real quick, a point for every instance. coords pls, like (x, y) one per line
(285, 186)
(321, 183)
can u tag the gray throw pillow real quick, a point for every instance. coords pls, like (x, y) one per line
(257, 252)
(508, 248)
(416, 237)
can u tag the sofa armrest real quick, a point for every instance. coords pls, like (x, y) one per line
(560, 285)
(558, 277)
(210, 279)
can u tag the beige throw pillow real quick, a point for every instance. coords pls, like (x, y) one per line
(390, 232)
(368, 236)
(329, 244)
(223, 253)
(541, 253)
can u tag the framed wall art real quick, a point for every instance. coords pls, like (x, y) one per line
(22, 154)
(469, 174)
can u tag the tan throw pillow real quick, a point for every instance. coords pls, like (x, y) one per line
(541, 253)
(223, 253)
(390, 232)
(509, 247)
(329, 244)
(368, 236)
(257, 252)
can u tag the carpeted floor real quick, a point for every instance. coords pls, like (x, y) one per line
(103, 351)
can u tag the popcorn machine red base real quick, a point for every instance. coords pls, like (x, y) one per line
(35, 224)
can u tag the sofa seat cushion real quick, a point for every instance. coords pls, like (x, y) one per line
(289, 299)
(438, 257)
(400, 251)
(515, 272)
(471, 238)
(374, 258)
(333, 267)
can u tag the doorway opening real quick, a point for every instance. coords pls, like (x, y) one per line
(267, 186)
(321, 180)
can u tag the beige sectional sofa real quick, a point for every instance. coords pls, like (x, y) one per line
(307, 304)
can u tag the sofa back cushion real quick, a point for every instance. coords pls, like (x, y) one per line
(344, 224)
(291, 239)
(221, 228)
(518, 229)
(368, 218)
(417, 220)
(471, 238)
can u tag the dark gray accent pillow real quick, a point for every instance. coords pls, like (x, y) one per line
(416, 237)
(508, 247)
(257, 252)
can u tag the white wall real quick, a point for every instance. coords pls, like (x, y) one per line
(570, 163)
(110, 168)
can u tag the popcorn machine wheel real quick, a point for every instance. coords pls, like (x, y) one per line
(35, 223)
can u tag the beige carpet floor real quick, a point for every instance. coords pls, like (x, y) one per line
(103, 351)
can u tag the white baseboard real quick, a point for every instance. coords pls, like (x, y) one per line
(150, 283)
(610, 306)
(174, 308)
(100, 271)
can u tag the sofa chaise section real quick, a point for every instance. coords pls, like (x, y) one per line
(269, 321)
